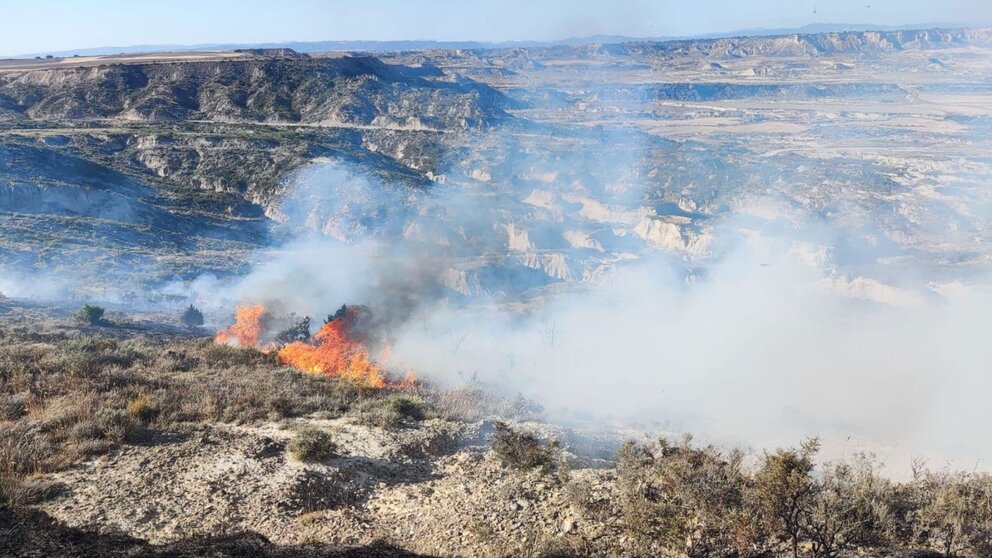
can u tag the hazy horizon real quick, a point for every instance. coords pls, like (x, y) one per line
(69, 25)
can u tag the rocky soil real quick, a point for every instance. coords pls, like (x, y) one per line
(395, 486)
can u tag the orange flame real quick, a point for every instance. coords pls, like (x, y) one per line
(247, 328)
(334, 351)
(335, 354)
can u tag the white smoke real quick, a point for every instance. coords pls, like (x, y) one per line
(762, 344)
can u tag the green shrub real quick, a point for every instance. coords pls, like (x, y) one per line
(522, 450)
(312, 445)
(90, 315)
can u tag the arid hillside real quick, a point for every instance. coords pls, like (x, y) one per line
(141, 437)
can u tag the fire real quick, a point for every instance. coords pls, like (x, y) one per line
(337, 349)
(334, 353)
(247, 329)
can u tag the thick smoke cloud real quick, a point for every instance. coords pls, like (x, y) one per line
(761, 341)
(754, 354)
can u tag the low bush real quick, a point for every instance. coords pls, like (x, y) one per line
(391, 411)
(90, 315)
(522, 450)
(142, 410)
(312, 445)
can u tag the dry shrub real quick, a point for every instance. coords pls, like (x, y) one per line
(312, 445)
(685, 500)
(13, 407)
(218, 355)
(522, 450)
(784, 490)
(849, 509)
(142, 410)
(951, 512)
(391, 411)
(474, 404)
(115, 424)
(842, 506)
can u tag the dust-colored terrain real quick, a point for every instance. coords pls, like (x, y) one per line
(126, 179)
(625, 148)
(137, 437)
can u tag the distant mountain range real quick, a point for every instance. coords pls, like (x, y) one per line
(389, 46)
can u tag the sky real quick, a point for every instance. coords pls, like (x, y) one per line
(38, 26)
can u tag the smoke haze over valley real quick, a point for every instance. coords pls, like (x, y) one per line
(756, 240)
(578, 230)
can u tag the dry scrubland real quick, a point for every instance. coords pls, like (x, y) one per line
(137, 440)
(134, 436)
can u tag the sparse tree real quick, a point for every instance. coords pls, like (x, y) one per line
(192, 317)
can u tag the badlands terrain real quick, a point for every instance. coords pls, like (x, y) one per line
(149, 182)
(585, 155)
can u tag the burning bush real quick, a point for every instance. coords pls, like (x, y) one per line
(338, 349)
(247, 329)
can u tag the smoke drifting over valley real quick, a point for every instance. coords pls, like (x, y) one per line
(767, 240)
(764, 325)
